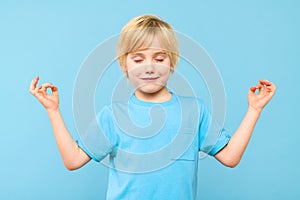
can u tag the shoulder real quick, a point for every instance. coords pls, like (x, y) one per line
(192, 101)
(109, 107)
(113, 109)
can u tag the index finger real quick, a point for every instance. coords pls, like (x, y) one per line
(265, 82)
(33, 83)
(269, 85)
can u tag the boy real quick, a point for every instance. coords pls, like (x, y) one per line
(148, 53)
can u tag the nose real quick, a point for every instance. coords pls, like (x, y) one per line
(150, 67)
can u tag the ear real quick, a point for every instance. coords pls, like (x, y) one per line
(172, 68)
(123, 67)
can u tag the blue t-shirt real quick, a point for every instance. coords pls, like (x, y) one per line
(152, 148)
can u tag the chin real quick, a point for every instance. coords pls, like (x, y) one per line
(151, 89)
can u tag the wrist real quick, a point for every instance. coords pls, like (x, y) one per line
(254, 111)
(53, 112)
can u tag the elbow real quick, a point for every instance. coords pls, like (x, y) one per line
(231, 163)
(228, 160)
(73, 162)
(71, 166)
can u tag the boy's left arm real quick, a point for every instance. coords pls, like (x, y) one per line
(232, 153)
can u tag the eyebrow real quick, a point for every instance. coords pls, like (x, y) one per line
(141, 54)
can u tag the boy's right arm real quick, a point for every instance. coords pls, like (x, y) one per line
(72, 155)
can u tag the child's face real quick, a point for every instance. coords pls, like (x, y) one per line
(148, 69)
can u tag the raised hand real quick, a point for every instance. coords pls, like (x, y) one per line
(259, 100)
(258, 97)
(49, 101)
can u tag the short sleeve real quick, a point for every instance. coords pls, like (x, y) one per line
(212, 136)
(99, 139)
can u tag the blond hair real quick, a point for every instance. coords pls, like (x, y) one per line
(139, 33)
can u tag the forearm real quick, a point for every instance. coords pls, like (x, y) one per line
(72, 156)
(233, 152)
(70, 152)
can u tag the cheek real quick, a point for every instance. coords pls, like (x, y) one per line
(163, 70)
(135, 71)
(131, 68)
(131, 75)
(165, 67)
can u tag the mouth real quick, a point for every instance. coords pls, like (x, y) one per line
(149, 78)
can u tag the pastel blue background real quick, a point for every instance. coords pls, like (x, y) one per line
(248, 40)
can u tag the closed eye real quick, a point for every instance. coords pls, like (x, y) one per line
(159, 60)
(138, 60)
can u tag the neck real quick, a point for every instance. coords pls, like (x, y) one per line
(160, 96)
